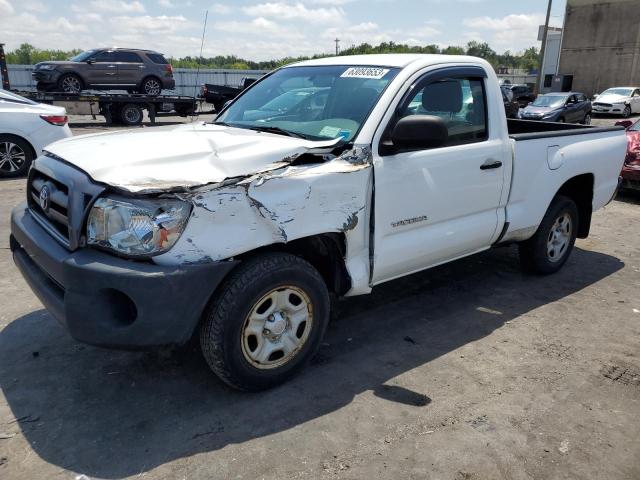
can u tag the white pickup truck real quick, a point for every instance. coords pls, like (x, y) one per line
(323, 179)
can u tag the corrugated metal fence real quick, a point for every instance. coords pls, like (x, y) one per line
(20, 78)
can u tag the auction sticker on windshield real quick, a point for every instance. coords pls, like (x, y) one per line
(365, 72)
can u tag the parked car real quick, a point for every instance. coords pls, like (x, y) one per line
(571, 107)
(244, 228)
(26, 127)
(511, 106)
(520, 93)
(142, 71)
(219, 95)
(618, 101)
(631, 169)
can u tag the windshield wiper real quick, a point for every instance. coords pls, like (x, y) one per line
(278, 130)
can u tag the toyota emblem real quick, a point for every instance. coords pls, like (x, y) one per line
(45, 195)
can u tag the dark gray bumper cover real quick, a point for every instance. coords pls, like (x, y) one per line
(109, 301)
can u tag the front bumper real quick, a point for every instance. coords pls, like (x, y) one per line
(612, 110)
(108, 301)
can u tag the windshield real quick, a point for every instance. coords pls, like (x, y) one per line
(6, 96)
(625, 92)
(82, 57)
(551, 101)
(316, 103)
(635, 127)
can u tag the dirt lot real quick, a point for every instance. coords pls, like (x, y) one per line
(469, 371)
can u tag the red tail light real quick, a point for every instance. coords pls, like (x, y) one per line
(59, 120)
(169, 69)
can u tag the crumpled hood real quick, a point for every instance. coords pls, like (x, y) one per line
(611, 98)
(182, 156)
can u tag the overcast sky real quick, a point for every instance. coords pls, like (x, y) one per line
(262, 30)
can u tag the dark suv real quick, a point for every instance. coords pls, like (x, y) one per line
(142, 71)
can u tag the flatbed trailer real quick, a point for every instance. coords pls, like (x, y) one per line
(117, 108)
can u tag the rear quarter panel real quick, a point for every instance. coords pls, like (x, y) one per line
(541, 166)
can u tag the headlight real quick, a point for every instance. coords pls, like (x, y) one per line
(46, 67)
(136, 227)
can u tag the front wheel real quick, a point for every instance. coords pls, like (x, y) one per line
(266, 322)
(550, 247)
(70, 83)
(626, 113)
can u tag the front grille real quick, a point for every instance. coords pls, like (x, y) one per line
(62, 209)
(55, 212)
(598, 104)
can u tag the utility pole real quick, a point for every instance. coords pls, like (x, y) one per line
(542, 49)
(337, 40)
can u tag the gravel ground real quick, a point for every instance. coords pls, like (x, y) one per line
(469, 371)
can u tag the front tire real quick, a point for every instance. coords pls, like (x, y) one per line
(266, 322)
(626, 113)
(70, 83)
(549, 248)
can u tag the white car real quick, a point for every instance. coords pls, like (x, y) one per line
(244, 228)
(618, 101)
(26, 127)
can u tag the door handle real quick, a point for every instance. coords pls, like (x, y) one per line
(489, 164)
(111, 66)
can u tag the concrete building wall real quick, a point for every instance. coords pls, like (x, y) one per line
(601, 44)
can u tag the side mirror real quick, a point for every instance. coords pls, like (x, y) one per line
(419, 132)
(624, 123)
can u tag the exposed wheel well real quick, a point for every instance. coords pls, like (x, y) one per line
(580, 190)
(325, 252)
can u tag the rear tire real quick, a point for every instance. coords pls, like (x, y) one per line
(587, 119)
(265, 322)
(549, 248)
(131, 114)
(16, 156)
(151, 86)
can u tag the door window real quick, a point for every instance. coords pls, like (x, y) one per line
(105, 57)
(127, 57)
(460, 102)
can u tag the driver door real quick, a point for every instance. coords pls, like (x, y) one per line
(104, 69)
(436, 204)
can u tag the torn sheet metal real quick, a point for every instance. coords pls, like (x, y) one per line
(181, 157)
(278, 207)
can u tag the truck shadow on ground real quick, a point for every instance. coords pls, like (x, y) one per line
(114, 414)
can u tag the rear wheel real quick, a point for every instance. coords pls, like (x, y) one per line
(587, 119)
(548, 249)
(266, 321)
(16, 156)
(70, 83)
(131, 114)
(151, 86)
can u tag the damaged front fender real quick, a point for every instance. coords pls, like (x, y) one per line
(279, 206)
